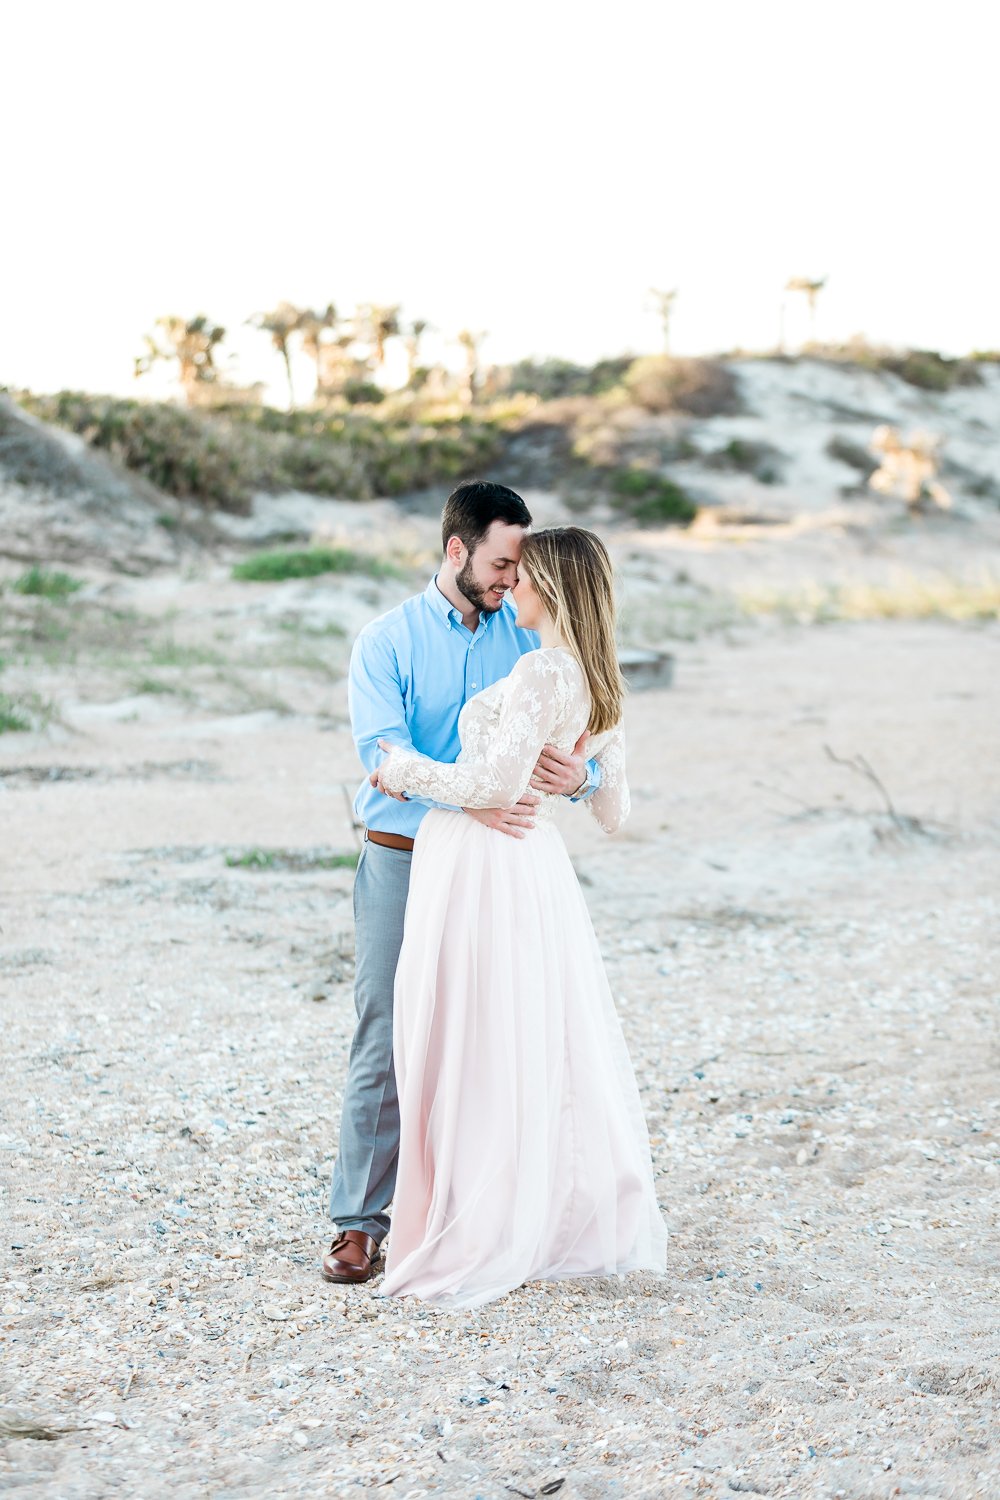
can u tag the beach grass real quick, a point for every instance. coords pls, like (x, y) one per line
(169, 652)
(903, 598)
(309, 562)
(46, 583)
(12, 720)
(293, 860)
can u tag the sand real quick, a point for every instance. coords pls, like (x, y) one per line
(807, 977)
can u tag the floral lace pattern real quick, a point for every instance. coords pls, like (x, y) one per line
(503, 729)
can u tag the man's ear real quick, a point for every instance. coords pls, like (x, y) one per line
(456, 551)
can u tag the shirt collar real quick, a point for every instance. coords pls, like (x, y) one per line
(447, 610)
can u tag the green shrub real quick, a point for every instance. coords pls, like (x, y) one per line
(220, 458)
(697, 387)
(12, 720)
(553, 379)
(47, 583)
(651, 499)
(274, 567)
(416, 457)
(192, 455)
(922, 368)
(748, 456)
(363, 393)
(925, 368)
(931, 371)
(668, 505)
(633, 483)
(317, 465)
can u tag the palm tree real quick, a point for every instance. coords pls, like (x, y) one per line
(470, 342)
(664, 303)
(811, 289)
(312, 326)
(285, 320)
(337, 367)
(414, 334)
(379, 324)
(192, 343)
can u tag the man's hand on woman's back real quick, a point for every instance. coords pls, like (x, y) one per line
(561, 772)
(515, 821)
(558, 772)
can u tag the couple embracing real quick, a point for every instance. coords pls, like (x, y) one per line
(490, 1097)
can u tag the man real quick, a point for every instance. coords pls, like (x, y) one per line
(412, 670)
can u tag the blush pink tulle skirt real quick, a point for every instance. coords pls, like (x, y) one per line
(523, 1154)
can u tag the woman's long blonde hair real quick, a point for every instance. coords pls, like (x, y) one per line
(571, 573)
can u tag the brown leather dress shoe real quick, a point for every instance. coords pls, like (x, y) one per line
(351, 1257)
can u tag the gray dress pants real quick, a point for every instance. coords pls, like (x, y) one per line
(364, 1176)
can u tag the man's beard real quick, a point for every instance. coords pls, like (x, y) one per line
(470, 589)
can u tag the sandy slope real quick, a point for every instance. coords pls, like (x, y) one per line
(808, 988)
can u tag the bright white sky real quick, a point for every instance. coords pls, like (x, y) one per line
(530, 169)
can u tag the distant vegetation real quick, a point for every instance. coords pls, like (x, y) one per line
(651, 499)
(906, 598)
(552, 379)
(924, 368)
(12, 720)
(348, 353)
(308, 562)
(219, 458)
(290, 860)
(354, 438)
(931, 371)
(49, 583)
(695, 387)
(547, 421)
(746, 456)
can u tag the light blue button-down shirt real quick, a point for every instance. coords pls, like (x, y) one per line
(412, 672)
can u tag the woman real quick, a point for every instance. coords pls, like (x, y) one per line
(523, 1153)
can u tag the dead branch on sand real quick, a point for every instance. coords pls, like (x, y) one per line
(900, 825)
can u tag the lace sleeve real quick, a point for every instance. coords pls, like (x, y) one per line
(610, 804)
(529, 710)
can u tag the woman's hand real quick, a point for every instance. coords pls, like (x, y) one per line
(375, 779)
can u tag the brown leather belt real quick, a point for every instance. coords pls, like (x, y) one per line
(390, 840)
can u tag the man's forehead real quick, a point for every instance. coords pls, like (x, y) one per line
(503, 541)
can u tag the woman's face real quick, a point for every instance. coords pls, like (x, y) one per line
(530, 610)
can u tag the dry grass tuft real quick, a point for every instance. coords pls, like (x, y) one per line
(905, 598)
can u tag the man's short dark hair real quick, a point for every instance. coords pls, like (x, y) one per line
(472, 508)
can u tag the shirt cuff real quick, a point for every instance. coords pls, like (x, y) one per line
(591, 784)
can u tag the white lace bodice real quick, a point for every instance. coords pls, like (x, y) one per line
(544, 701)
